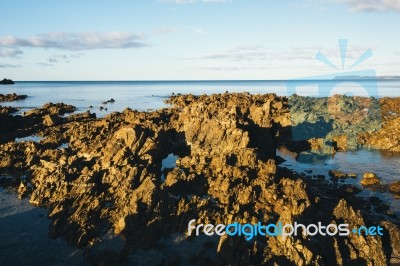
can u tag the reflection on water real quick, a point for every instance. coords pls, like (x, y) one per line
(386, 165)
(168, 162)
(63, 146)
(29, 138)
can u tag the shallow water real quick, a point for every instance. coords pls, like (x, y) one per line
(29, 138)
(384, 164)
(168, 162)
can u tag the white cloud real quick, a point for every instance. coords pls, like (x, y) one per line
(164, 30)
(193, 1)
(63, 57)
(241, 53)
(233, 68)
(45, 64)
(56, 58)
(199, 31)
(9, 66)
(77, 41)
(257, 53)
(10, 52)
(368, 5)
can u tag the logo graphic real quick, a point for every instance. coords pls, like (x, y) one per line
(249, 231)
(341, 116)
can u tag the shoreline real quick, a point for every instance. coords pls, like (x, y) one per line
(108, 176)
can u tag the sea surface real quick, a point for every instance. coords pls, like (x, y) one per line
(150, 95)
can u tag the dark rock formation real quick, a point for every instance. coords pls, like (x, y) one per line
(369, 179)
(12, 97)
(6, 82)
(340, 175)
(109, 101)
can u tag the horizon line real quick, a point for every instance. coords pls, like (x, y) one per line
(337, 78)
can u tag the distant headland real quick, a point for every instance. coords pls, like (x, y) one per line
(7, 82)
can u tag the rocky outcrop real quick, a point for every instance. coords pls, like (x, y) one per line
(109, 101)
(12, 97)
(388, 135)
(103, 179)
(340, 175)
(369, 179)
(395, 187)
(35, 120)
(6, 82)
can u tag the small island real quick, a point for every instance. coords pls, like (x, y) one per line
(7, 82)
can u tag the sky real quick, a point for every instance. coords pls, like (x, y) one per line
(195, 39)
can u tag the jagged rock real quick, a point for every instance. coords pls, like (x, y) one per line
(7, 110)
(52, 109)
(395, 187)
(340, 175)
(22, 191)
(369, 179)
(51, 120)
(358, 247)
(6, 82)
(109, 101)
(392, 240)
(12, 97)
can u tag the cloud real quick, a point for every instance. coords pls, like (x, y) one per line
(10, 52)
(233, 68)
(76, 55)
(56, 58)
(368, 5)
(241, 53)
(45, 64)
(256, 53)
(63, 58)
(77, 41)
(193, 1)
(164, 30)
(199, 31)
(9, 66)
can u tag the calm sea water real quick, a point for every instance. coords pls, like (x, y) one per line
(146, 95)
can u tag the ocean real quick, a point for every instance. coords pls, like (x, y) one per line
(150, 95)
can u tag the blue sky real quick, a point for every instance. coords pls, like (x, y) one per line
(194, 39)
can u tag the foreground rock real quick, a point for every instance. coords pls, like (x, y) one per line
(101, 180)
